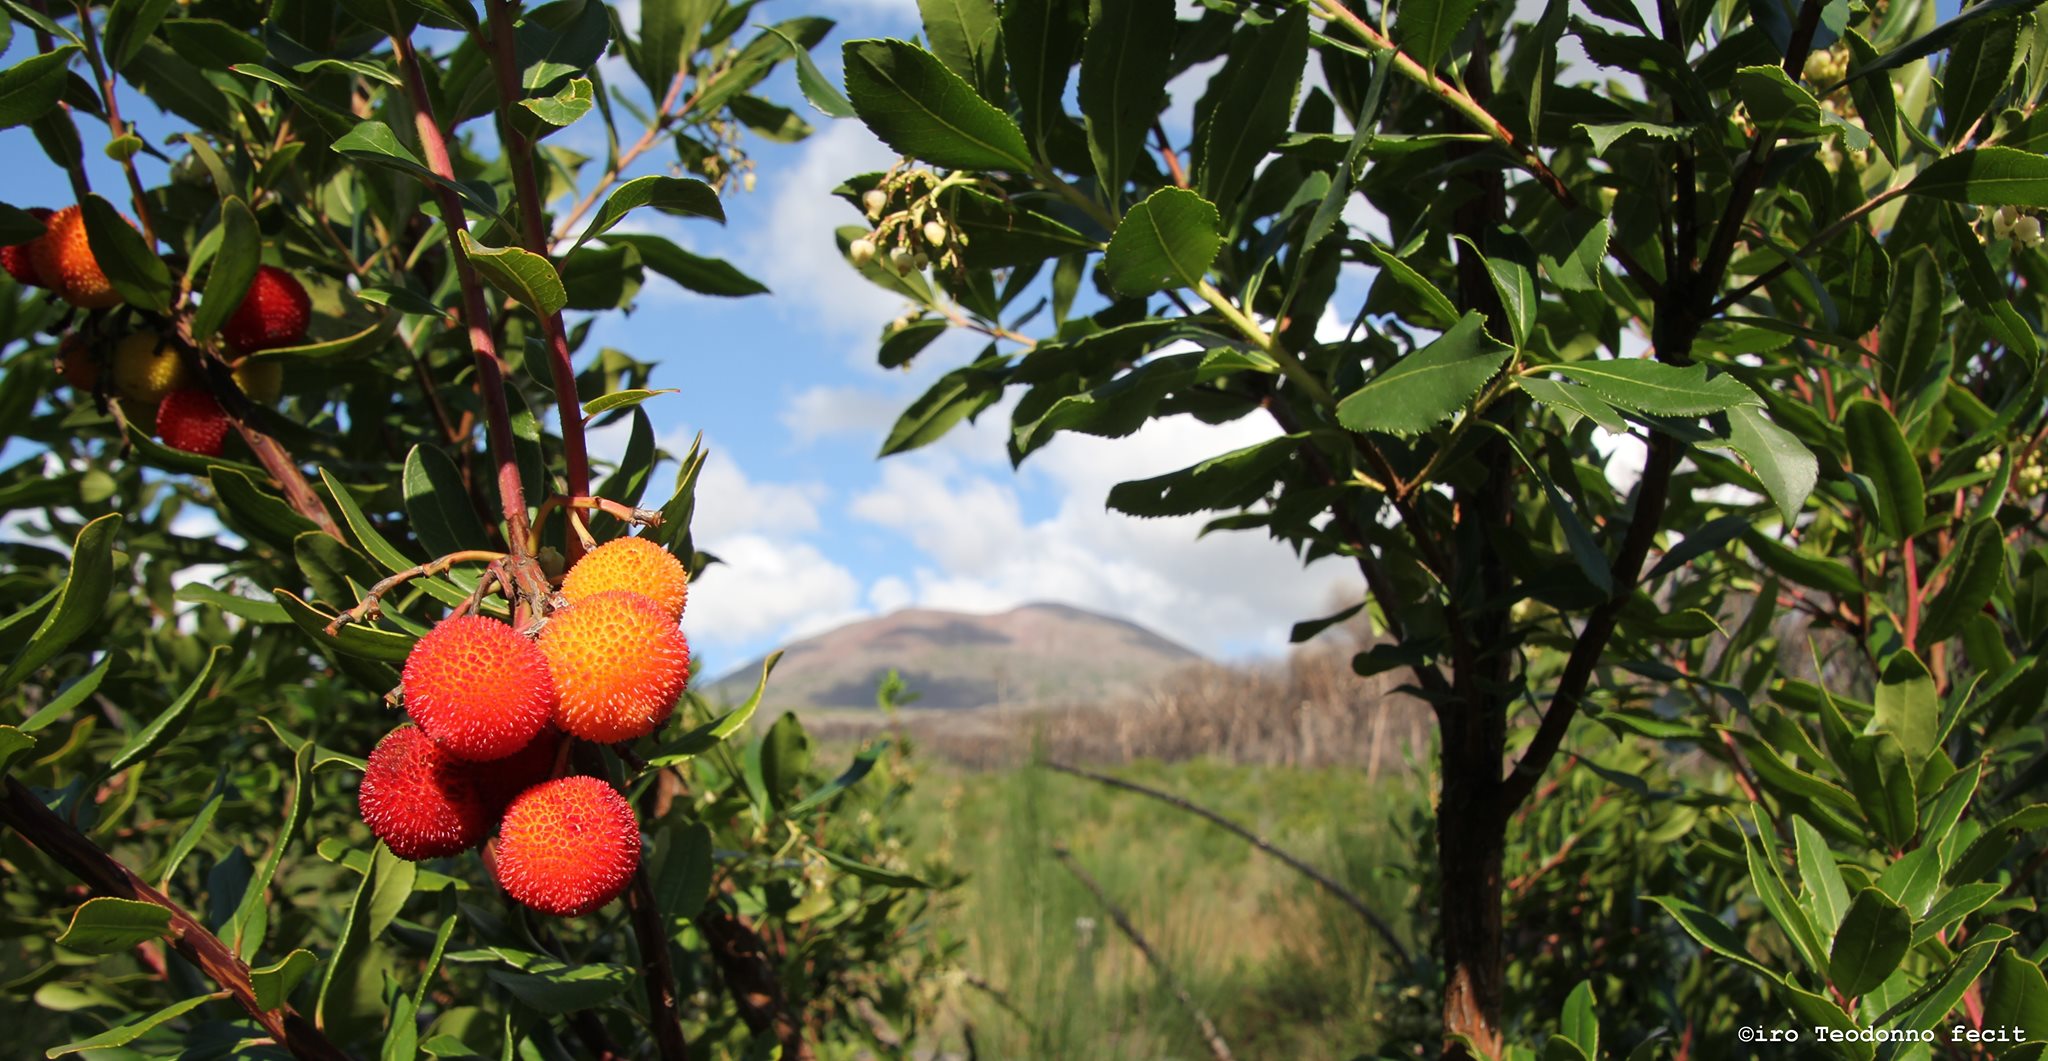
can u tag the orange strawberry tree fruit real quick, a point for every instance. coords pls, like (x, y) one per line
(349, 709)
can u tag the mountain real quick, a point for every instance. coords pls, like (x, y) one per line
(1034, 655)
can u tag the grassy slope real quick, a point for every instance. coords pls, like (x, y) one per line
(1280, 968)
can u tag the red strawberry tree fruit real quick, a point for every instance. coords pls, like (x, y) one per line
(308, 746)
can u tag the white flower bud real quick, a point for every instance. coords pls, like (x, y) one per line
(935, 233)
(877, 200)
(2027, 231)
(747, 181)
(862, 251)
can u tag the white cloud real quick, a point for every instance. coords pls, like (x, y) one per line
(729, 504)
(823, 411)
(769, 586)
(1222, 593)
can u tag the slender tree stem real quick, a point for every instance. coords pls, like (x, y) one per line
(533, 227)
(115, 125)
(656, 972)
(490, 367)
(26, 815)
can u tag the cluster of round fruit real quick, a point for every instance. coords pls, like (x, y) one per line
(491, 708)
(148, 371)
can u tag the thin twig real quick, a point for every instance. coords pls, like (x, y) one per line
(656, 972)
(1218, 1049)
(50, 834)
(369, 607)
(1336, 890)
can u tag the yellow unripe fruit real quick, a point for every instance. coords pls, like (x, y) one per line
(636, 565)
(262, 381)
(147, 367)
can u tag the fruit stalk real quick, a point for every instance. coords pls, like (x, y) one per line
(22, 812)
(533, 230)
(489, 365)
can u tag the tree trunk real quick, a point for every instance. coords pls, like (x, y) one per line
(1470, 835)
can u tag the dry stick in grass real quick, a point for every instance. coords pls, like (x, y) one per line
(1217, 1047)
(1341, 893)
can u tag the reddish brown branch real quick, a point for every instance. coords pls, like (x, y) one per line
(749, 975)
(22, 812)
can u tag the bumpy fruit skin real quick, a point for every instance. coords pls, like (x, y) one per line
(568, 846)
(421, 801)
(634, 564)
(19, 260)
(64, 262)
(262, 381)
(501, 781)
(77, 365)
(191, 420)
(619, 664)
(477, 688)
(147, 367)
(274, 313)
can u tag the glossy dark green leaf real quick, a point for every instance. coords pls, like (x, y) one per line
(131, 265)
(669, 32)
(169, 722)
(520, 273)
(817, 89)
(705, 276)
(234, 266)
(1254, 100)
(718, 730)
(1878, 451)
(1658, 389)
(79, 602)
(1912, 328)
(1168, 240)
(1881, 778)
(128, 28)
(31, 88)
(918, 107)
(554, 987)
(1827, 896)
(1779, 460)
(1425, 29)
(255, 511)
(1437, 310)
(967, 37)
(1986, 176)
(1979, 67)
(1869, 944)
(1978, 573)
(1228, 481)
(368, 642)
(2018, 997)
(1939, 37)
(681, 869)
(1877, 101)
(127, 1033)
(1710, 932)
(1907, 705)
(958, 395)
(565, 107)
(679, 196)
(605, 403)
(438, 505)
(1041, 39)
(109, 926)
(1125, 62)
(1805, 568)
(1428, 386)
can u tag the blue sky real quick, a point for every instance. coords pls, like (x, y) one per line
(815, 530)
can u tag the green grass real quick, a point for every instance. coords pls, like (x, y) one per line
(1282, 969)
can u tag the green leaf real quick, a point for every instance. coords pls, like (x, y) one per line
(1572, 402)
(1986, 176)
(1229, 481)
(1603, 135)
(1881, 778)
(717, 731)
(681, 869)
(1827, 897)
(254, 511)
(1907, 705)
(439, 505)
(128, 1033)
(1585, 550)
(13, 745)
(552, 987)
(2018, 997)
(332, 351)
(1805, 568)
(680, 196)
(355, 639)
(1877, 102)
(871, 874)
(1937, 38)
(1785, 107)
(1040, 40)
(275, 982)
(131, 265)
(705, 276)
(1124, 66)
(188, 841)
(1578, 1022)
(110, 926)
(129, 26)
(1577, 267)
(1979, 67)
(31, 88)
(958, 395)
(170, 721)
(563, 108)
(234, 267)
(966, 36)
(1657, 389)
(1911, 331)
(1710, 932)
(919, 108)
(79, 601)
(526, 276)
(1254, 99)
(1779, 460)
(1168, 240)
(1426, 28)
(1978, 574)
(862, 765)
(605, 403)
(1869, 944)
(1429, 385)
(1878, 452)
(1768, 880)
(811, 81)
(1437, 310)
